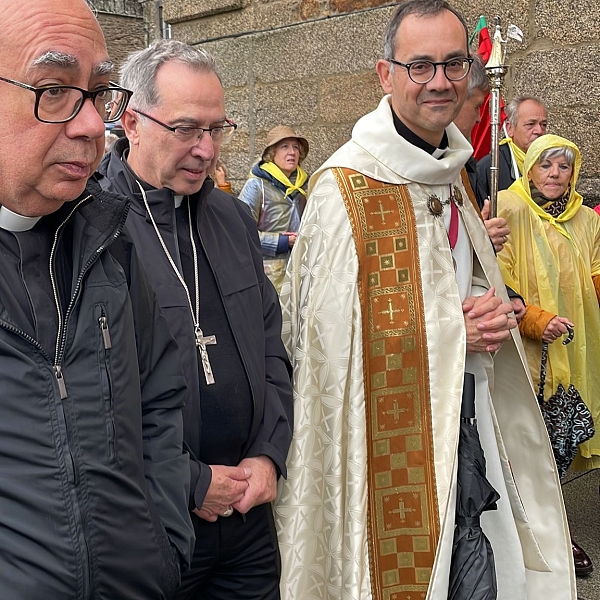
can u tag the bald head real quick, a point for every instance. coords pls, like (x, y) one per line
(48, 42)
(38, 31)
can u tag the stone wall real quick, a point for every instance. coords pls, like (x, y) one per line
(131, 8)
(122, 22)
(310, 64)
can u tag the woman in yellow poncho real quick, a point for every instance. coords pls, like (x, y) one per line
(552, 258)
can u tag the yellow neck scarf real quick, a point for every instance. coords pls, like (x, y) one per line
(272, 169)
(521, 186)
(517, 153)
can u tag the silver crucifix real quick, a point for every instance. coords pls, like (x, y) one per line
(202, 342)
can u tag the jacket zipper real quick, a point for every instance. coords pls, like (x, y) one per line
(61, 341)
(26, 337)
(111, 431)
(105, 331)
(57, 366)
(61, 338)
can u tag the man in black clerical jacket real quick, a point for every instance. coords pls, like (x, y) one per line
(201, 249)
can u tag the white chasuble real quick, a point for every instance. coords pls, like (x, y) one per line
(374, 325)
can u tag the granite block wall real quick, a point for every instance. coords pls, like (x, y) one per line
(310, 64)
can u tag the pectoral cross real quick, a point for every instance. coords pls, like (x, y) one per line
(202, 342)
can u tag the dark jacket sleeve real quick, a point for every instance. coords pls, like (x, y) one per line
(200, 478)
(166, 464)
(275, 434)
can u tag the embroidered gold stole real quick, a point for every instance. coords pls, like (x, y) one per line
(403, 516)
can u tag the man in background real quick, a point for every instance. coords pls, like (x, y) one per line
(526, 120)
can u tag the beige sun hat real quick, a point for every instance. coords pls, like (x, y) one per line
(281, 132)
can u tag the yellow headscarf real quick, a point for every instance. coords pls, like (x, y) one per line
(521, 186)
(275, 171)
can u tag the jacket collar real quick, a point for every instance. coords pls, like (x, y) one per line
(104, 213)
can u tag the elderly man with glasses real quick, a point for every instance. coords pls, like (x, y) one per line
(202, 253)
(393, 300)
(93, 477)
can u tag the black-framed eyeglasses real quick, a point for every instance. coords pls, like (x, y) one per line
(186, 133)
(423, 71)
(61, 103)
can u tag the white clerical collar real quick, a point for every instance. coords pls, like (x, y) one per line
(11, 221)
(178, 200)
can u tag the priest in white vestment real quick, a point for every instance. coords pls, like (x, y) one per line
(393, 292)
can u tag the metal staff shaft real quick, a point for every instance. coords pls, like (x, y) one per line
(495, 74)
(496, 70)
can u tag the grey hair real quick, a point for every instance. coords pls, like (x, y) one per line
(421, 8)
(138, 72)
(478, 79)
(556, 152)
(54, 58)
(513, 107)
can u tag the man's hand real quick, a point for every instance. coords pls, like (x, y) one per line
(555, 329)
(496, 228)
(227, 487)
(487, 322)
(262, 484)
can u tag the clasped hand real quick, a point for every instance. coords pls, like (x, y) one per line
(487, 322)
(252, 482)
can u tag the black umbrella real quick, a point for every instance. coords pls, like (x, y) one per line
(472, 570)
(568, 419)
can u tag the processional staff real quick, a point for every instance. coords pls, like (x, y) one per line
(496, 70)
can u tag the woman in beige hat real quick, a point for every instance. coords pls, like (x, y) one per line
(276, 195)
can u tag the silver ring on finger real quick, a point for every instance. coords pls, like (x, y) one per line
(228, 512)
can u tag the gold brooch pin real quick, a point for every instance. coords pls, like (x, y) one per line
(434, 205)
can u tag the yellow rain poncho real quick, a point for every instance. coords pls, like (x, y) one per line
(552, 263)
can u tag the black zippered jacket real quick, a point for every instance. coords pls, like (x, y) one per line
(230, 240)
(93, 501)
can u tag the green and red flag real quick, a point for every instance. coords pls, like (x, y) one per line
(484, 42)
(481, 135)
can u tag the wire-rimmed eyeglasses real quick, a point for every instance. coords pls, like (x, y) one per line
(61, 103)
(187, 133)
(423, 71)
